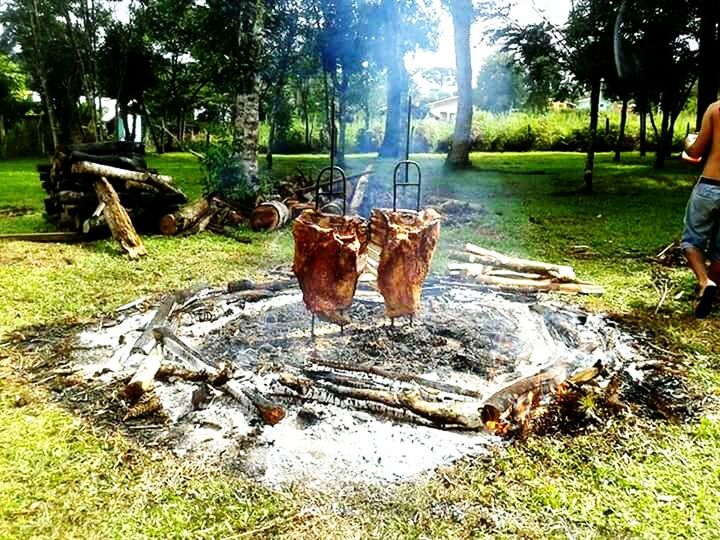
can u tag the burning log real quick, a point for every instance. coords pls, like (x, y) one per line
(270, 412)
(118, 220)
(185, 218)
(330, 253)
(406, 242)
(250, 285)
(269, 216)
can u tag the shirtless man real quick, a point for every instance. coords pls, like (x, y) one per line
(702, 216)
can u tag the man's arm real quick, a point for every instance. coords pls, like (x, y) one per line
(699, 146)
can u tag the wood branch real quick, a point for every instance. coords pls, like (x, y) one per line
(64, 237)
(163, 183)
(185, 218)
(168, 371)
(465, 414)
(495, 259)
(118, 220)
(186, 354)
(147, 341)
(472, 269)
(399, 376)
(528, 285)
(269, 216)
(248, 284)
(270, 412)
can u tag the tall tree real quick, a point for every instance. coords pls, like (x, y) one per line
(401, 26)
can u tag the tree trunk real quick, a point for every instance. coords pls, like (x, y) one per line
(663, 143)
(397, 90)
(621, 133)
(459, 155)
(3, 138)
(340, 148)
(709, 73)
(590, 158)
(185, 218)
(643, 133)
(246, 124)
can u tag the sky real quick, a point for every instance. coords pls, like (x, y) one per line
(524, 12)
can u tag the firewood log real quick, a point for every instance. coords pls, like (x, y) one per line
(118, 220)
(547, 285)
(185, 218)
(495, 259)
(112, 160)
(466, 414)
(269, 216)
(143, 379)
(163, 183)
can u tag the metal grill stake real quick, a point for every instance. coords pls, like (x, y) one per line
(407, 163)
(332, 169)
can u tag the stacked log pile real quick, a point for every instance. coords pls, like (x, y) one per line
(490, 268)
(70, 182)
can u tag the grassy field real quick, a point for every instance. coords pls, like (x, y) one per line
(62, 477)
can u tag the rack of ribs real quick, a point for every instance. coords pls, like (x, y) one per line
(330, 255)
(406, 241)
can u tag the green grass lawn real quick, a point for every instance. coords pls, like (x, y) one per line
(62, 477)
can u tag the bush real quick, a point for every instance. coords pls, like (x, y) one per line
(225, 176)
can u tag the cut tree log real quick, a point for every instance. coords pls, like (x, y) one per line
(118, 220)
(547, 285)
(163, 183)
(270, 412)
(185, 218)
(112, 160)
(495, 259)
(269, 216)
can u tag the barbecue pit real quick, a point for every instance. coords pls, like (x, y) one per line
(375, 404)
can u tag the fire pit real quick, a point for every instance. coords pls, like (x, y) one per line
(235, 376)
